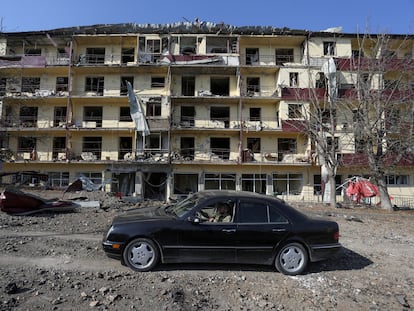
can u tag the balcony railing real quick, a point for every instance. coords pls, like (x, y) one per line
(267, 59)
(223, 155)
(183, 123)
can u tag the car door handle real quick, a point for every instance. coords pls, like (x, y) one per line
(229, 230)
(279, 230)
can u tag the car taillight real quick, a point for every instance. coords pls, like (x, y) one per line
(336, 236)
(2, 196)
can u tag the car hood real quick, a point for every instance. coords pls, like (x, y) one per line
(141, 214)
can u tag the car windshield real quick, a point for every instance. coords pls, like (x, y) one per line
(182, 207)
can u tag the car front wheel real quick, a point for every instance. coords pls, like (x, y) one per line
(141, 254)
(292, 259)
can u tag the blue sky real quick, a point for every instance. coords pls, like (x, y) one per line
(355, 16)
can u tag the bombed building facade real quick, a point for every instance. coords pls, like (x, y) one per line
(160, 111)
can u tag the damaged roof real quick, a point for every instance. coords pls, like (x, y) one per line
(183, 28)
(179, 27)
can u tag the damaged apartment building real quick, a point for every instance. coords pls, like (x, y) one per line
(161, 111)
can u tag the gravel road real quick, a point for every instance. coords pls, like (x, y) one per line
(55, 262)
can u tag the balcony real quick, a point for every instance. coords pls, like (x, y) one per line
(22, 61)
(198, 155)
(191, 123)
(248, 157)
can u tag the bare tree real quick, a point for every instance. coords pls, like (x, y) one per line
(371, 122)
(382, 106)
(321, 113)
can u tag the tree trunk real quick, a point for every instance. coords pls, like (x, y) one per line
(332, 184)
(384, 196)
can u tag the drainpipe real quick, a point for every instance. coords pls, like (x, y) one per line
(240, 118)
(69, 116)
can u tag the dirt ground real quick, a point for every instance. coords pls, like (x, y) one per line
(55, 262)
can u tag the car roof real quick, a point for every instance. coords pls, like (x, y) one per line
(233, 194)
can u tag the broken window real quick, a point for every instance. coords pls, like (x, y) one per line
(123, 87)
(185, 183)
(157, 82)
(329, 48)
(287, 183)
(328, 116)
(153, 108)
(59, 116)
(252, 56)
(58, 179)
(293, 79)
(30, 84)
(284, 56)
(187, 147)
(125, 146)
(149, 50)
(154, 186)
(95, 55)
(254, 183)
(28, 116)
(62, 53)
(221, 115)
(127, 55)
(92, 145)
(255, 114)
(397, 179)
(187, 116)
(188, 86)
(220, 181)
(332, 141)
(253, 144)
(220, 86)
(286, 146)
(220, 146)
(62, 84)
(321, 81)
(59, 148)
(96, 178)
(125, 114)
(218, 45)
(94, 115)
(188, 45)
(360, 145)
(153, 141)
(295, 111)
(252, 86)
(95, 84)
(26, 144)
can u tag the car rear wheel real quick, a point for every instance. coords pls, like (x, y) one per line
(292, 259)
(141, 254)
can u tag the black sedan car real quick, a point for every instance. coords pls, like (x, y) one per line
(217, 226)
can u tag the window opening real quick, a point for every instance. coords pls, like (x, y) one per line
(220, 146)
(93, 114)
(254, 183)
(220, 115)
(284, 56)
(220, 86)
